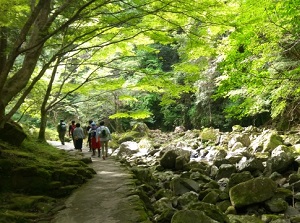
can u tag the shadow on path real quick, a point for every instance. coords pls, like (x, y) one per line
(106, 198)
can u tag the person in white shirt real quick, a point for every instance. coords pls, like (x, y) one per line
(104, 134)
(78, 136)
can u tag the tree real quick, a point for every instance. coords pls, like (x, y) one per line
(261, 61)
(20, 53)
(101, 24)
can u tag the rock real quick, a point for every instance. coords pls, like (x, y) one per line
(180, 186)
(12, 133)
(169, 158)
(162, 205)
(243, 139)
(266, 142)
(211, 211)
(220, 174)
(276, 205)
(142, 128)
(237, 178)
(186, 199)
(237, 128)
(237, 146)
(272, 141)
(212, 197)
(244, 218)
(179, 129)
(281, 159)
(296, 148)
(252, 191)
(291, 212)
(209, 134)
(191, 216)
(252, 164)
(165, 216)
(180, 162)
(127, 148)
(225, 171)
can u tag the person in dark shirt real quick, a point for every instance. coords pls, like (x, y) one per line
(62, 129)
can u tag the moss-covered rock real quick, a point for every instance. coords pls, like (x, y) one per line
(12, 133)
(129, 136)
(142, 128)
(32, 179)
(244, 218)
(276, 205)
(252, 191)
(209, 134)
(63, 191)
(191, 216)
(210, 210)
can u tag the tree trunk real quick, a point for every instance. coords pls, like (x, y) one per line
(117, 108)
(42, 135)
(12, 83)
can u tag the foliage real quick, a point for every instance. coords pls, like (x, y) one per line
(259, 71)
(192, 63)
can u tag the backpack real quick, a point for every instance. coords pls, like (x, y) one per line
(93, 131)
(63, 126)
(103, 133)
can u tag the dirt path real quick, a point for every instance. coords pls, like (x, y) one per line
(107, 198)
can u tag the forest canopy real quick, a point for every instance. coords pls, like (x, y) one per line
(193, 63)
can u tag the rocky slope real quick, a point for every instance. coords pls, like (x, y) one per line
(247, 175)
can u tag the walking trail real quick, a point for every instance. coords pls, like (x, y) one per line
(107, 197)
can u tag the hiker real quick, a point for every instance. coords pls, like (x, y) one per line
(95, 142)
(104, 135)
(89, 135)
(78, 136)
(62, 129)
(71, 129)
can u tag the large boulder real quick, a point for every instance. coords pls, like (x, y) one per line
(237, 178)
(12, 133)
(281, 159)
(127, 148)
(209, 134)
(252, 164)
(210, 210)
(243, 139)
(266, 142)
(225, 171)
(170, 160)
(252, 191)
(142, 128)
(246, 219)
(180, 186)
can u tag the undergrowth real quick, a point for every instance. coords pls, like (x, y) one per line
(38, 160)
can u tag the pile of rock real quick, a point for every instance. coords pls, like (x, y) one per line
(247, 175)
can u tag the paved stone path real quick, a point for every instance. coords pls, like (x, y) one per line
(107, 198)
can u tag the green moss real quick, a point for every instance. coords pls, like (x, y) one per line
(32, 176)
(252, 191)
(10, 216)
(129, 136)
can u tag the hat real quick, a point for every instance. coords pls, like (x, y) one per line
(93, 124)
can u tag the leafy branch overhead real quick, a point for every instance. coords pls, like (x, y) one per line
(192, 63)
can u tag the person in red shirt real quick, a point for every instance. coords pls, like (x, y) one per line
(71, 129)
(95, 141)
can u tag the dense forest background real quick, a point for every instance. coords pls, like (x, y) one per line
(195, 63)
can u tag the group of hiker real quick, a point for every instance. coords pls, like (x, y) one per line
(97, 136)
